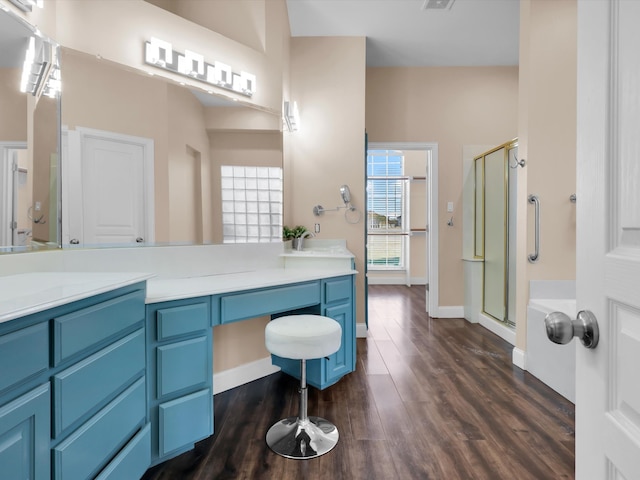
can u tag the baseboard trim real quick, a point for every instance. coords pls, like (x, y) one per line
(361, 330)
(234, 377)
(450, 312)
(506, 333)
(396, 281)
(518, 358)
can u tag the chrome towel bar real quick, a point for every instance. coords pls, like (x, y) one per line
(533, 257)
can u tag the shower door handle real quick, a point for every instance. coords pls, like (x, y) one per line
(561, 329)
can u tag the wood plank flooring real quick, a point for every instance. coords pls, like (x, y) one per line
(430, 399)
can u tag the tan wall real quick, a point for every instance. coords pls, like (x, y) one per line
(102, 95)
(117, 29)
(547, 140)
(328, 83)
(45, 158)
(190, 181)
(240, 148)
(452, 106)
(13, 104)
(228, 17)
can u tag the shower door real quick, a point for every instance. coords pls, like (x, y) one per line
(495, 230)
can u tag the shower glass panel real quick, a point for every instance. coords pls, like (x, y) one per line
(512, 156)
(478, 249)
(495, 234)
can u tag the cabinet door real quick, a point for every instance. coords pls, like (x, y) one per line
(24, 436)
(341, 362)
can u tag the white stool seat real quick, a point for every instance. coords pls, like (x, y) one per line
(303, 337)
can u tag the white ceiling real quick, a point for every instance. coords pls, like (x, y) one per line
(402, 33)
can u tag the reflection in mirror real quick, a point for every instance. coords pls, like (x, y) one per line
(142, 155)
(29, 134)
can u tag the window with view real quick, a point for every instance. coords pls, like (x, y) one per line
(386, 192)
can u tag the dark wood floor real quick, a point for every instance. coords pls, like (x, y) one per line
(430, 399)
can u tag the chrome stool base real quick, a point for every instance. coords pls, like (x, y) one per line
(302, 439)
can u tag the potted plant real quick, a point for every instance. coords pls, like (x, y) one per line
(296, 235)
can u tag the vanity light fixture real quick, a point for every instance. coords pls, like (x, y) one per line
(160, 53)
(219, 74)
(291, 116)
(191, 64)
(54, 84)
(27, 82)
(27, 5)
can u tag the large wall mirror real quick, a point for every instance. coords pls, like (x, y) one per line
(142, 158)
(29, 138)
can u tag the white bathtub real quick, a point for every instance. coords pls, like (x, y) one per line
(553, 364)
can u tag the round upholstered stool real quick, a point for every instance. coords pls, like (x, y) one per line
(303, 337)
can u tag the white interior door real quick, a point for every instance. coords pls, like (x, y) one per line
(608, 239)
(110, 188)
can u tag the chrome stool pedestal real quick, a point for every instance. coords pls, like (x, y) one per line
(303, 337)
(302, 436)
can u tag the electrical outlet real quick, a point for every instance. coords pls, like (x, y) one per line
(316, 228)
(450, 207)
(38, 206)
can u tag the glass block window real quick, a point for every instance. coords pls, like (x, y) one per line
(251, 204)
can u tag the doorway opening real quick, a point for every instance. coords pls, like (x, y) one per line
(402, 217)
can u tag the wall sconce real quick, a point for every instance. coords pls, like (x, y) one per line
(291, 116)
(160, 53)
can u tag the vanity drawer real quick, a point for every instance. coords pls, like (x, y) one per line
(90, 448)
(185, 420)
(23, 353)
(106, 372)
(77, 331)
(268, 301)
(337, 290)
(133, 460)
(183, 364)
(175, 321)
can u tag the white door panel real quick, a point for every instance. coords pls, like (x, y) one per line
(109, 188)
(113, 194)
(608, 240)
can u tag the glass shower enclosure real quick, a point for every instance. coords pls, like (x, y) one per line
(494, 235)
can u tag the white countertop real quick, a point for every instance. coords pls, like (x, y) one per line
(174, 272)
(28, 293)
(161, 290)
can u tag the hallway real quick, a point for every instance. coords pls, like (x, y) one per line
(430, 399)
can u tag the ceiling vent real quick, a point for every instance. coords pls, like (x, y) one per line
(437, 4)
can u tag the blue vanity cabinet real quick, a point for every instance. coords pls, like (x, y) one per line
(98, 381)
(337, 301)
(180, 375)
(73, 390)
(24, 436)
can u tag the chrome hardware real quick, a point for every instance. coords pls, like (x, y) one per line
(139, 240)
(74, 241)
(519, 163)
(533, 257)
(561, 329)
(572, 198)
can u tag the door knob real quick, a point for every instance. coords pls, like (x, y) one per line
(561, 329)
